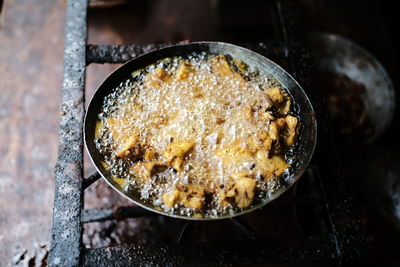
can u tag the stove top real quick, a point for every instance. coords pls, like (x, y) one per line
(316, 221)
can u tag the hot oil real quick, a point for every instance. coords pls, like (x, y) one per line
(205, 108)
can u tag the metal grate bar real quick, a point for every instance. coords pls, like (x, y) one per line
(185, 232)
(67, 228)
(90, 180)
(100, 215)
(117, 53)
(310, 249)
(247, 229)
(122, 53)
(342, 212)
(271, 50)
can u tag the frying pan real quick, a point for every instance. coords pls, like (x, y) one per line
(300, 154)
(341, 56)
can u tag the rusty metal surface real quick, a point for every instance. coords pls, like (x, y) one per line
(118, 213)
(117, 53)
(215, 254)
(90, 180)
(122, 53)
(67, 228)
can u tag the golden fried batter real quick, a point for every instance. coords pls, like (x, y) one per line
(198, 131)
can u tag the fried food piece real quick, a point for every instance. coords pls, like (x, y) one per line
(291, 134)
(259, 141)
(278, 165)
(284, 128)
(233, 153)
(98, 129)
(266, 116)
(129, 145)
(270, 167)
(161, 74)
(280, 98)
(263, 102)
(285, 107)
(225, 192)
(220, 65)
(281, 122)
(268, 143)
(276, 95)
(244, 188)
(239, 175)
(158, 77)
(274, 130)
(178, 164)
(197, 92)
(124, 137)
(248, 112)
(145, 170)
(177, 149)
(171, 198)
(184, 70)
(175, 153)
(253, 144)
(122, 182)
(150, 154)
(118, 127)
(190, 196)
(105, 165)
(240, 64)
